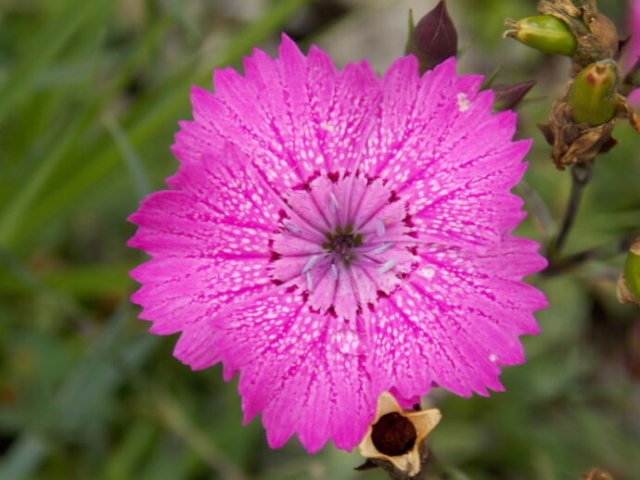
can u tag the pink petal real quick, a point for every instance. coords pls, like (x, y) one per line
(305, 374)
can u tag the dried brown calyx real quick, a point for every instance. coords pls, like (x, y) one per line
(596, 35)
(396, 440)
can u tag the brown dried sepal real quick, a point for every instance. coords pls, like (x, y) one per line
(578, 142)
(392, 469)
(597, 36)
(575, 142)
(624, 294)
(628, 112)
(596, 474)
(396, 439)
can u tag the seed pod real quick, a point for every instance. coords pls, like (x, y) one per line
(545, 33)
(592, 96)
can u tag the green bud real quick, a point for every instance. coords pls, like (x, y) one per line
(632, 272)
(545, 33)
(592, 96)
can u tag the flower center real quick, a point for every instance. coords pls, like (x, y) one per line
(343, 242)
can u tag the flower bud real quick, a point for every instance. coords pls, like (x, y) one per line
(545, 33)
(592, 96)
(434, 38)
(507, 97)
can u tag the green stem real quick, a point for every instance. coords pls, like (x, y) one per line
(580, 176)
(604, 251)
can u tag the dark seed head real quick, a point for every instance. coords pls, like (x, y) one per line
(393, 435)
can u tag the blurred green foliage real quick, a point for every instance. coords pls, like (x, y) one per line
(90, 96)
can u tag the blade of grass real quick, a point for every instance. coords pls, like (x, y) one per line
(77, 401)
(13, 214)
(45, 45)
(158, 114)
(129, 155)
(178, 421)
(23, 457)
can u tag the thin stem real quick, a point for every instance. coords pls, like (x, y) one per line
(580, 176)
(605, 251)
(539, 210)
(438, 468)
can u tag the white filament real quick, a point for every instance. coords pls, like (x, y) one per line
(383, 248)
(387, 266)
(312, 261)
(334, 202)
(292, 228)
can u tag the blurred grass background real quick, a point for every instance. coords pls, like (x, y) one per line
(90, 96)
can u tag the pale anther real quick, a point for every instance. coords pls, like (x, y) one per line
(380, 228)
(334, 271)
(310, 263)
(334, 202)
(384, 247)
(387, 266)
(309, 281)
(292, 228)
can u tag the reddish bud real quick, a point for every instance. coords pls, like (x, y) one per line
(507, 97)
(434, 38)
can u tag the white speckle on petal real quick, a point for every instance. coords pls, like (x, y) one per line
(427, 272)
(493, 357)
(349, 343)
(326, 126)
(463, 102)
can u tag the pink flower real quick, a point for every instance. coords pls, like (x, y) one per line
(332, 235)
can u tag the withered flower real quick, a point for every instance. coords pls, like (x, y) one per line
(596, 35)
(396, 437)
(581, 122)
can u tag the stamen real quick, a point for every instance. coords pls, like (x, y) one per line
(334, 271)
(334, 202)
(380, 228)
(387, 266)
(292, 228)
(309, 282)
(312, 261)
(384, 247)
